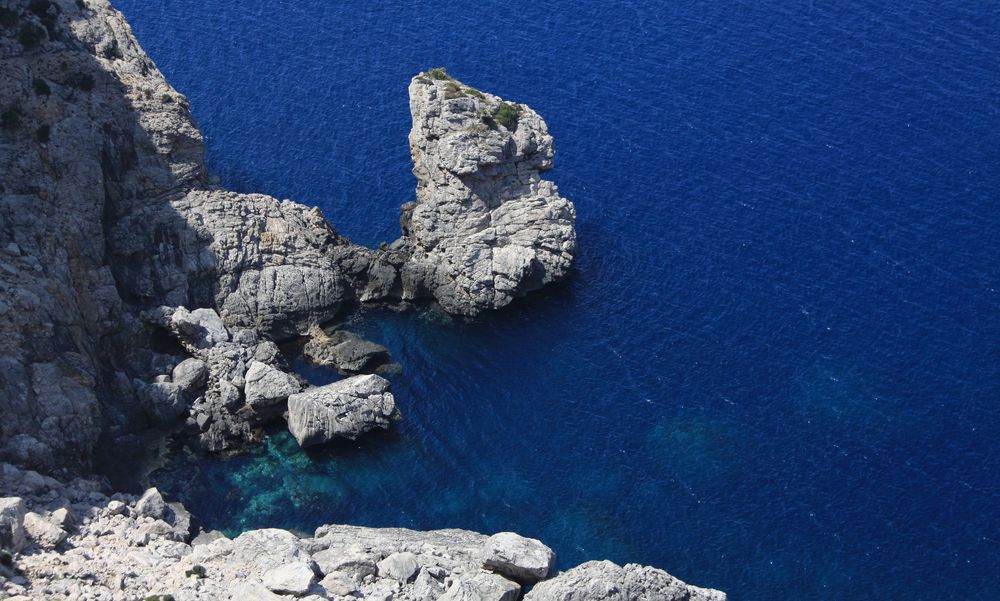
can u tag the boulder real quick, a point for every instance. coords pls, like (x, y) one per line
(42, 532)
(482, 586)
(526, 560)
(190, 374)
(12, 512)
(352, 563)
(164, 401)
(201, 328)
(267, 387)
(151, 504)
(289, 579)
(401, 566)
(262, 550)
(344, 409)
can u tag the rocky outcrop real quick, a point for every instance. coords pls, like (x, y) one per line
(344, 409)
(606, 581)
(124, 548)
(485, 227)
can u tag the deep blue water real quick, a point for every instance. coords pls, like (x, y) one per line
(777, 369)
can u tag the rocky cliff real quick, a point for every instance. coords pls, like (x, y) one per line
(138, 298)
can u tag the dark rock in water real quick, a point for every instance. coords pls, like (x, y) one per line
(344, 351)
(344, 409)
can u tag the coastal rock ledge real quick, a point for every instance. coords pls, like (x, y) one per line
(139, 300)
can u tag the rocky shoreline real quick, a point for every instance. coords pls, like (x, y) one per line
(137, 298)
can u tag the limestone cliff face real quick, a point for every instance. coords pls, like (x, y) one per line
(105, 212)
(485, 227)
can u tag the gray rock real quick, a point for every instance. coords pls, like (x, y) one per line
(164, 401)
(265, 549)
(190, 374)
(606, 581)
(290, 579)
(338, 585)
(202, 328)
(482, 587)
(485, 228)
(42, 532)
(352, 563)
(401, 566)
(12, 512)
(519, 558)
(151, 504)
(117, 508)
(344, 409)
(62, 518)
(267, 386)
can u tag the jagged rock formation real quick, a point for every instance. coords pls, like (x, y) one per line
(485, 228)
(137, 298)
(106, 212)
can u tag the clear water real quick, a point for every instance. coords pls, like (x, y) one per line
(777, 369)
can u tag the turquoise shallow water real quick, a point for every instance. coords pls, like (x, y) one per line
(776, 370)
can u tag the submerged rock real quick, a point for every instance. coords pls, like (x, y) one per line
(344, 351)
(344, 409)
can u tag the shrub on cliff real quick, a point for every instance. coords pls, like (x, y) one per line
(10, 118)
(84, 81)
(43, 133)
(6, 559)
(7, 16)
(506, 115)
(198, 570)
(41, 88)
(439, 73)
(453, 90)
(30, 35)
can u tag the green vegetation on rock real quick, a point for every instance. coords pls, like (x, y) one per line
(506, 115)
(10, 118)
(7, 16)
(41, 87)
(440, 74)
(453, 90)
(30, 35)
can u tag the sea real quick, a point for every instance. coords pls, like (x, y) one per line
(776, 368)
